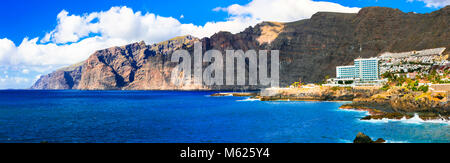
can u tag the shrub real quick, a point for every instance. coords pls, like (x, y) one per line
(385, 87)
(423, 88)
(335, 88)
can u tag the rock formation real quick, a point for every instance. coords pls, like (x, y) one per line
(310, 49)
(364, 139)
(65, 78)
(401, 103)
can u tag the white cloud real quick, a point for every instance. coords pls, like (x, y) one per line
(434, 3)
(29, 52)
(77, 36)
(243, 16)
(217, 9)
(6, 80)
(7, 48)
(117, 23)
(283, 10)
(25, 71)
(71, 28)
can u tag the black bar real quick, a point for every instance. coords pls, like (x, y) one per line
(149, 152)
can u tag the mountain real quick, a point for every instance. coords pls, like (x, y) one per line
(310, 49)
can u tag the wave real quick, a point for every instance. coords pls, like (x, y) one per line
(249, 99)
(394, 141)
(345, 141)
(414, 120)
(387, 141)
(228, 95)
(353, 111)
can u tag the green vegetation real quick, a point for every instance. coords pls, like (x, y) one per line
(296, 84)
(423, 88)
(345, 82)
(412, 85)
(324, 81)
(400, 80)
(385, 87)
(437, 78)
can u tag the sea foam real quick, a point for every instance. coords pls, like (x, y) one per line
(414, 120)
(249, 99)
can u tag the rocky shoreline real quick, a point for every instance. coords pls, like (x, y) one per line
(394, 104)
(401, 103)
(375, 114)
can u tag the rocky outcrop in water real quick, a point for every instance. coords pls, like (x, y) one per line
(364, 139)
(310, 49)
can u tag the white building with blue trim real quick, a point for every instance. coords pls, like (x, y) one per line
(367, 69)
(364, 70)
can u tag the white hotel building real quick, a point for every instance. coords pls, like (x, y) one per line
(364, 70)
(367, 69)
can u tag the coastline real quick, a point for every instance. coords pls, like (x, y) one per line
(396, 107)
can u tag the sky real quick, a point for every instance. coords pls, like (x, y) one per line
(40, 36)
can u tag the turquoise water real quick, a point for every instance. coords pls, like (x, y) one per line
(189, 117)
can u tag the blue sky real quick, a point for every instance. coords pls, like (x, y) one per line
(37, 37)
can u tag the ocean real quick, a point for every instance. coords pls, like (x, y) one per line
(191, 117)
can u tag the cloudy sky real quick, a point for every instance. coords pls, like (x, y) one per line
(38, 37)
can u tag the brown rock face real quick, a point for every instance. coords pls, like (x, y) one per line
(309, 49)
(134, 67)
(67, 78)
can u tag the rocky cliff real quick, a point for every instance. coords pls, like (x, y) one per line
(309, 49)
(65, 78)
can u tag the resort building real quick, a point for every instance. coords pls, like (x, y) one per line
(343, 72)
(364, 71)
(367, 69)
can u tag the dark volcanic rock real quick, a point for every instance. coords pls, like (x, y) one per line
(309, 49)
(364, 139)
(380, 140)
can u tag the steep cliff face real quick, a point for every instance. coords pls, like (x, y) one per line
(309, 49)
(66, 78)
(134, 67)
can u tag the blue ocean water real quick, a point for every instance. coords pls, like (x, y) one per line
(189, 117)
